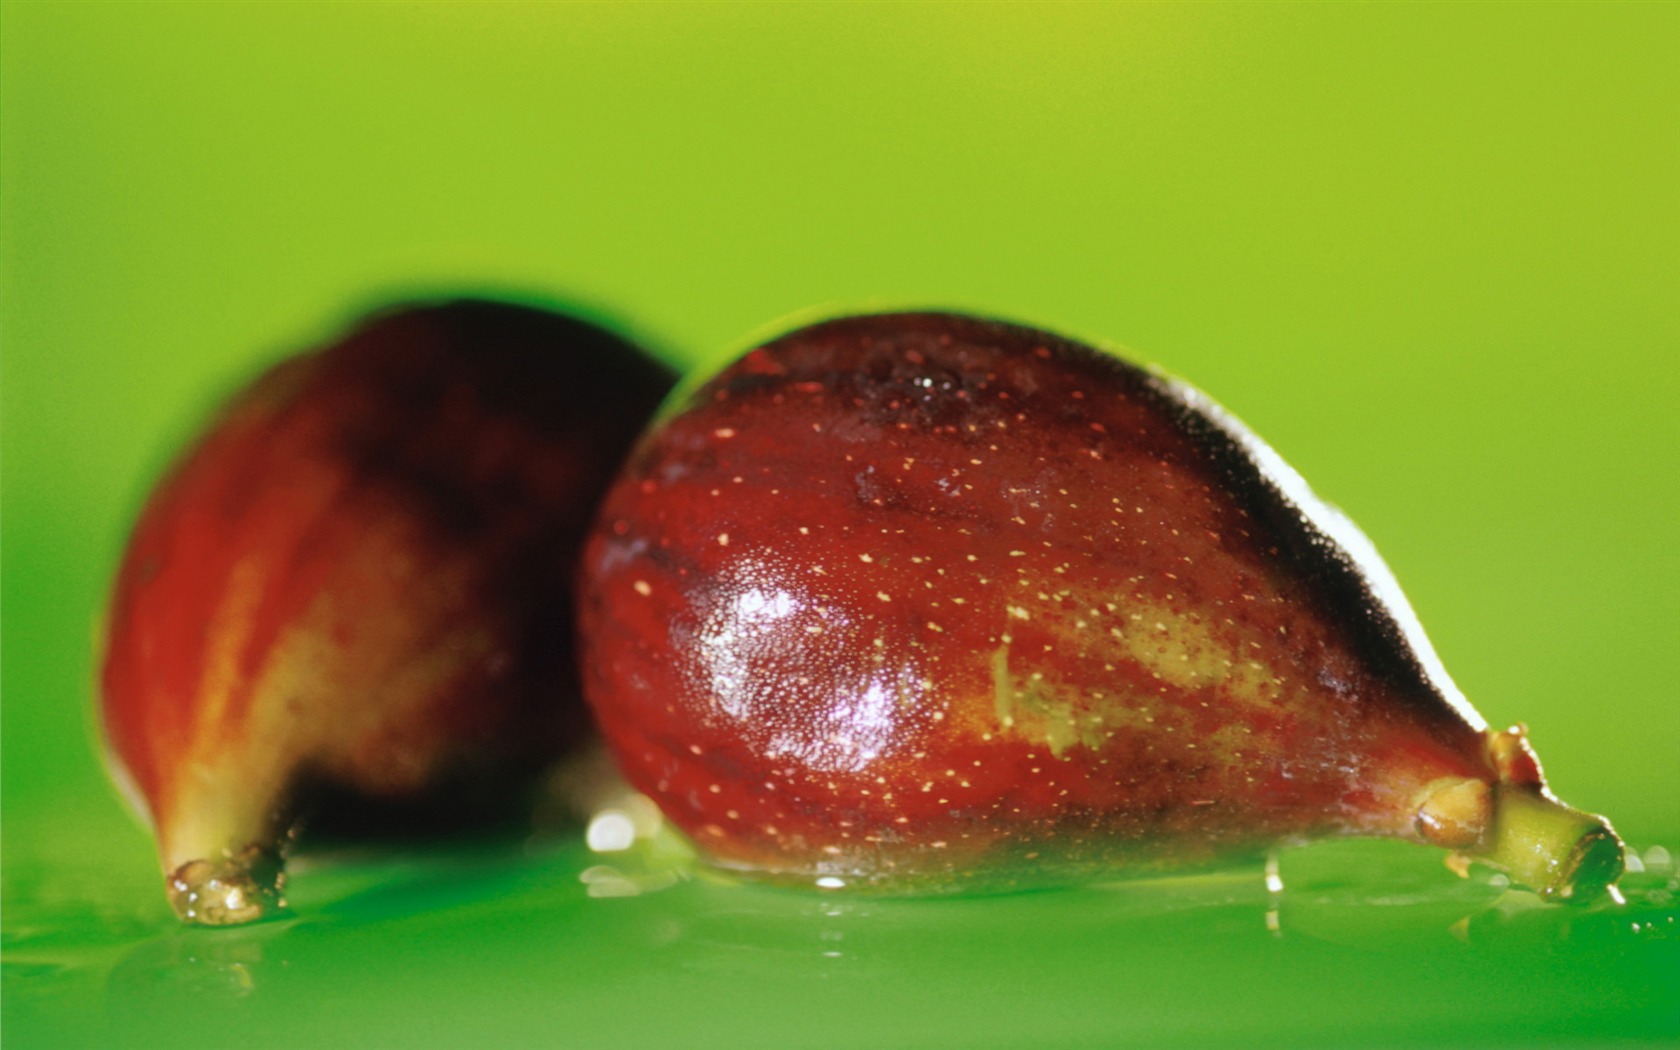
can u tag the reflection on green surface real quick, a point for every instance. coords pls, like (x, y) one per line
(503, 944)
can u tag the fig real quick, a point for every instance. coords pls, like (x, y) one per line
(922, 602)
(356, 588)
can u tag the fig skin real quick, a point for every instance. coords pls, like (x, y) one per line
(922, 602)
(356, 587)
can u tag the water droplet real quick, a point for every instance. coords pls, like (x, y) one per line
(611, 831)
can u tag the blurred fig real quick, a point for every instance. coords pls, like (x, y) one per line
(357, 583)
(924, 602)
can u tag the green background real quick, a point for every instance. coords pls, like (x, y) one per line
(1430, 252)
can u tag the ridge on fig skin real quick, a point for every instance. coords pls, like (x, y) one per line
(354, 589)
(924, 602)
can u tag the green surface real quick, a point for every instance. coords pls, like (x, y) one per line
(1429, 252)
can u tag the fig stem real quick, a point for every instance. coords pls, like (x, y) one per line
(239, 888)
(1557, 851)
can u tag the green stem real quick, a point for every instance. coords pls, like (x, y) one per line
(1561, 853)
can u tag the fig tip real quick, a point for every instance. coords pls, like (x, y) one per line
(1598, 861)
(232, 891)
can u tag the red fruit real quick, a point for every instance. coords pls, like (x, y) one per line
(360, 579)
(925, 602)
